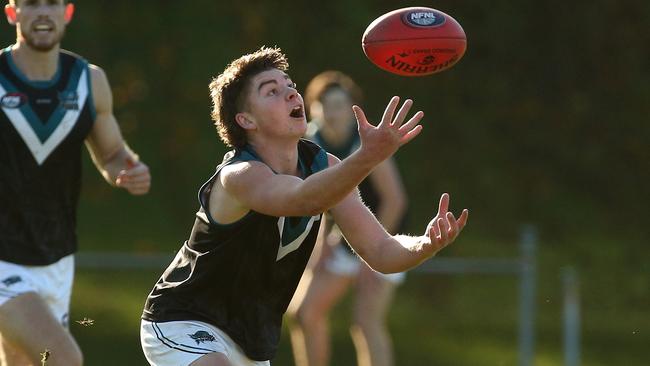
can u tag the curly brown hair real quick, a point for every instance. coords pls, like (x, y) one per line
(331, 79)
(228, 90)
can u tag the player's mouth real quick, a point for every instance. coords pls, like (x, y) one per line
(297, 112)
(42, 28)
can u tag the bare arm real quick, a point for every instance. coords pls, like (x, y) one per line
(255, 186)
(389, 254)
(115, 161)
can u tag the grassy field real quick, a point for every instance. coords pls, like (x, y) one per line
(468, 320)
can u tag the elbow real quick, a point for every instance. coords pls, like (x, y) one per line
(381, 267)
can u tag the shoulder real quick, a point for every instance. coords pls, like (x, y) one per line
(101, 89)
(239, 163)
(97, 74)
(244, 173)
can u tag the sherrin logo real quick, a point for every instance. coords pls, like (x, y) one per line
(13, 100)
(424, 18)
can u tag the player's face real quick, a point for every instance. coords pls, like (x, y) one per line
(40, 23)
(275, 105)
(336, 107)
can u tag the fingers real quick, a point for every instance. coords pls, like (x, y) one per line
(389, 111)
(413, 122)
(362, 121)
(444, 229)
(443, 206)
(462, 221)
(410, 135)
(443, 226)
(136, 188)
(136, 179)
(403, 111)
(130, 163)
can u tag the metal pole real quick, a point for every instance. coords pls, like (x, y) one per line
(528, 245)
(571, 311)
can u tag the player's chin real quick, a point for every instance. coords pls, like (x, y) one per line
(300, 123)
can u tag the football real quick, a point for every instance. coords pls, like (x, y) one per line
(415, 41)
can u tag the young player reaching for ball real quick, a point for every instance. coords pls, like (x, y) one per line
(221, 300)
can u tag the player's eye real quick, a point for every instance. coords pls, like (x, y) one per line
(272, 92)
(293, 85)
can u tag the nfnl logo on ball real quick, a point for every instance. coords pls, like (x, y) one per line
(424, 19)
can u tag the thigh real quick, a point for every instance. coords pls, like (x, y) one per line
(53, 284)
(27, 324)
(323, 291)
(10, 355)
(212, 359)
(374, 293)
(218, 359)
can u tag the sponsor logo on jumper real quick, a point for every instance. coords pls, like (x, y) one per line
(69, 100)
(202, 336)
(13, 100)
(40, 101)
(11, 280)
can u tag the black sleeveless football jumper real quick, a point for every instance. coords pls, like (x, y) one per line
(239, 277)
(43, 125)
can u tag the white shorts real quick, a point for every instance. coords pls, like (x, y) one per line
(179, 343)
(344, 263)
(52, 282)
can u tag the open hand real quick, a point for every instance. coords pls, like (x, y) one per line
(444, 228)
(383, 140)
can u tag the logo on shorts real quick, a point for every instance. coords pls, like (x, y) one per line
(202, 336)
(11, 280)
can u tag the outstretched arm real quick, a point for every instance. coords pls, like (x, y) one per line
(286, 195)
(386, 253)
(115, 161)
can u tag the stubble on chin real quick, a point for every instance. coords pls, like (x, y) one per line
(42, 46)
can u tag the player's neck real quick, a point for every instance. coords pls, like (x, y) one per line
(282, 158)
(35, 65)
(334, 136)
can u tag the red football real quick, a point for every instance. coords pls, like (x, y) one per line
(414, 41)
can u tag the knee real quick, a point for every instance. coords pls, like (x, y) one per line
(366, 323)
(308, 316)
(77, 358)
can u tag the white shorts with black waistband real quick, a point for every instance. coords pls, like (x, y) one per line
(52, 282)
(179, 343)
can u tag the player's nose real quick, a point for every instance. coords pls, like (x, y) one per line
(292, 93)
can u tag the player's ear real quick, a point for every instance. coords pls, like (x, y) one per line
(69, 12)
(245, 121)
(10, 12)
